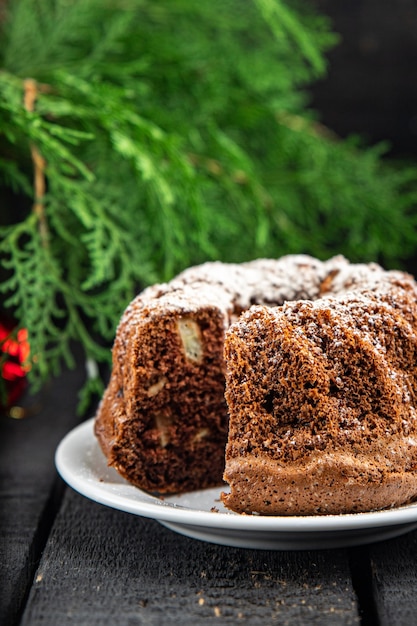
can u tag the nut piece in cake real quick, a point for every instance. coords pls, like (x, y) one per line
(190, 335)
(162, 423)
(154, 389)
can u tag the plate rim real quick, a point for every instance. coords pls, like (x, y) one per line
(81, 439)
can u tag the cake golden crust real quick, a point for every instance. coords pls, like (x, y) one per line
(319, 485)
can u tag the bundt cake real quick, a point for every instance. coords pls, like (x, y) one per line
(319, 362)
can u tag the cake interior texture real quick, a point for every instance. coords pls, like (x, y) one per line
(172, 424)
(294, 380)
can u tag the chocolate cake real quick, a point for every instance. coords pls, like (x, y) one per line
(319, 362)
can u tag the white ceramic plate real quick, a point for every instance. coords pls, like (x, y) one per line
(201, 515)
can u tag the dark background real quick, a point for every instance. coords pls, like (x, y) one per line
(371, 88)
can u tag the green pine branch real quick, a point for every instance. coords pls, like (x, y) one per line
(143, 148)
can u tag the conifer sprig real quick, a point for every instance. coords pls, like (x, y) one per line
(138, 144)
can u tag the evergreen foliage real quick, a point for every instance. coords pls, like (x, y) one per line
(142, 137)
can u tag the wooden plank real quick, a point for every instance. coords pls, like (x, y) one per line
(29, 489)
(104, 566)
(394, 570)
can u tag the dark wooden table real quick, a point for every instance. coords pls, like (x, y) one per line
(67, 560)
